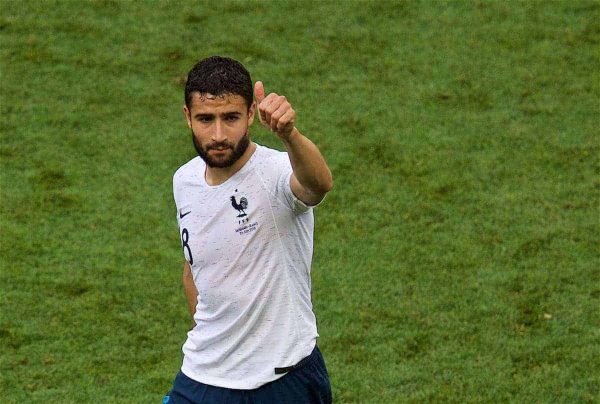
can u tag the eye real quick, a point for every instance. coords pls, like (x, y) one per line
(231, 118)
(204, 119)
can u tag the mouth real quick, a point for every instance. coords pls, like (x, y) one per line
(219, 151)
(219, 148)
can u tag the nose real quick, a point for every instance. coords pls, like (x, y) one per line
(219, 133)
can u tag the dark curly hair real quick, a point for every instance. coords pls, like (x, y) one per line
(219, 75)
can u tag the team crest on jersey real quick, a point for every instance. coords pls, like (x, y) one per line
(243, 220)
(241, 206)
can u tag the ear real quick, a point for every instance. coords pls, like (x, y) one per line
(188, 116)
(251, 111)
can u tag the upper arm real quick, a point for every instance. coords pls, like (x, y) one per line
(187, 270)
(189, 286)
(303, 194)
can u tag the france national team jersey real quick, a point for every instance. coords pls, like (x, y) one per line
(249, 242)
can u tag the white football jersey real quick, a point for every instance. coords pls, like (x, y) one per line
(249, 242)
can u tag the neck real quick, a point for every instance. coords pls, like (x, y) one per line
(217, 176)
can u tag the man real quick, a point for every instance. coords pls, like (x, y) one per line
(246, 223)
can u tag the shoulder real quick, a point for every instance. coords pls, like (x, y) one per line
(270, 159)
(187, 170)
(187, 174)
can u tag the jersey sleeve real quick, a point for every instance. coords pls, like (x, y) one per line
(175, 188)
(278, 172)
(177, 199)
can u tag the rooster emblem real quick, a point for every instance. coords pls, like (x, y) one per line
(240, 207)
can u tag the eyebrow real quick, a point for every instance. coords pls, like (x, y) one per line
(224, 114)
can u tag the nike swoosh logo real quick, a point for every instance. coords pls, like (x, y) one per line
(182, 215)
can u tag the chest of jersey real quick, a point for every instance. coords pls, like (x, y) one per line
(225, 225)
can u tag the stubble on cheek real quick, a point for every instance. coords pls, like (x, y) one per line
(231, 155)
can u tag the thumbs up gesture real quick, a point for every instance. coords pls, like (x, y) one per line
(274, 111)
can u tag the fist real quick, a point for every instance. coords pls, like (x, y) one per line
(274, 111)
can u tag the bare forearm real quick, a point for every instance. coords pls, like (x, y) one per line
(308, 164)
(312, 178)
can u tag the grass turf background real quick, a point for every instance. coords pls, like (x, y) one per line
(455, 260)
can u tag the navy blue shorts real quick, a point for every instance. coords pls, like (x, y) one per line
(308, 383)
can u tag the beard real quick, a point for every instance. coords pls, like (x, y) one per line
(237, 151)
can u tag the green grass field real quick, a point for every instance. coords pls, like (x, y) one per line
(456, 259)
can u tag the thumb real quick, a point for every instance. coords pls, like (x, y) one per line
(259, 91)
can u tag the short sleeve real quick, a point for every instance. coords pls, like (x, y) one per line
(279, 171)
(176, 187)
(175, 192)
